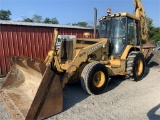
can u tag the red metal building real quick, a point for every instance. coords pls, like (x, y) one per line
(30, 39)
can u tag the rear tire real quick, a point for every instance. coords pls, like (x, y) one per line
(136, 65)
(94, 78)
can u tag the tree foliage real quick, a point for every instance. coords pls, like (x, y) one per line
(153, 32)
(54, 21)
(51, 21)
(149, 22)
(82, 24)
(37, 18)
(5, 14)
(47, 20)
(27, 19)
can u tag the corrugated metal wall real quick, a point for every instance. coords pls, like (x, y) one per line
(29, 41)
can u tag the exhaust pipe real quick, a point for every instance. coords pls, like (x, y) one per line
(95, 21)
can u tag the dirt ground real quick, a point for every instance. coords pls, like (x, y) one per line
(122, 100)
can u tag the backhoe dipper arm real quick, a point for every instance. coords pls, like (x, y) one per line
(140, 13)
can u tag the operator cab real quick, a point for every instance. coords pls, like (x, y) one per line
(121, 29)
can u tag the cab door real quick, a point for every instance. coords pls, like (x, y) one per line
(118, 35)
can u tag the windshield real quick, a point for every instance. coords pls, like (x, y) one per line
(118, 27)
(115, 30)
(104, 28)
(112, 27)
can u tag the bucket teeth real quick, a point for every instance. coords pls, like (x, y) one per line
(23, 61)
(26, 61)
(18, 60)
(38, 60)
(40, 67)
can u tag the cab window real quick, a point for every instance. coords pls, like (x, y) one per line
(131, 32)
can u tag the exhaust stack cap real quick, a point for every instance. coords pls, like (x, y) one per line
(109, 11)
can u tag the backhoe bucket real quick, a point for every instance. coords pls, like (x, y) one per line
(148, 49)
(31, 90)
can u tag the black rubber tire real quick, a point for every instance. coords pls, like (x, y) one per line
(138, 57)
(132, 65)
(87, 78)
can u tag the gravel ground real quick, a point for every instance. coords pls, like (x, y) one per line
(122, 100)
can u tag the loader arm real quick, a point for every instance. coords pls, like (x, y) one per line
(52, 56)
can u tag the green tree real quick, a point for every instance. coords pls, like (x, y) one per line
(27, 19)
(54, 21)
(5, 14)
(37, 18)
(47, 20)
(68, 23)
(153, 32)
(82, 24)
(149, 22)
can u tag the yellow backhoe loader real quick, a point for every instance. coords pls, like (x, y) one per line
(33, 89)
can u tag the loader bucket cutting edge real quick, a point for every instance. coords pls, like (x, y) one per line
(31, 90)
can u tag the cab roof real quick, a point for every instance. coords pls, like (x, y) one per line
(122, 14)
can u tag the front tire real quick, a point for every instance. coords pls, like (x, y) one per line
(94, 78)
(136, 65)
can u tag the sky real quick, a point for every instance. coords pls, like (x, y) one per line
(73, 11)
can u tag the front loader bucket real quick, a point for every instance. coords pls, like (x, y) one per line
(31, 90)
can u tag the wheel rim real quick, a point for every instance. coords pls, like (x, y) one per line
(139, 67)
(99, 79)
